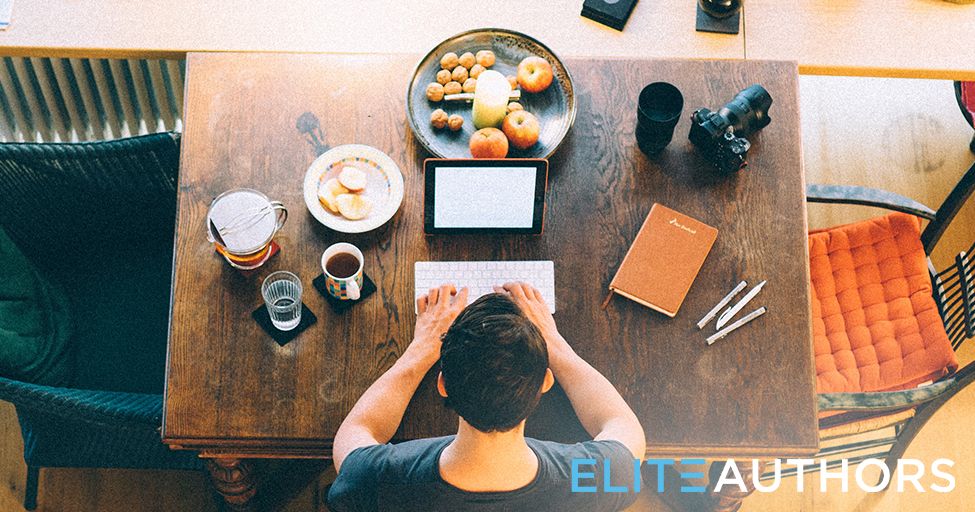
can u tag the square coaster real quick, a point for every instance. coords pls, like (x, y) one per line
(263, 318)
(612, 13)
(708, 23)
(340, 306)
(602, 19)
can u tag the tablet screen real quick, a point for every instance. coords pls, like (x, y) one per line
(478, 197)
(464, 196)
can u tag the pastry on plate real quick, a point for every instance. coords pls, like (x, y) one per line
(328, 192)
(353, 178)
(354, 206)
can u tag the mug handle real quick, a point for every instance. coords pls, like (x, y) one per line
(281, 213)
(352, 289)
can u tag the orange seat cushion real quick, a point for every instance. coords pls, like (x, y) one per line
(876, 326)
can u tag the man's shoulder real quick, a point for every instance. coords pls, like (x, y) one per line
(559, 458)
(369, 468)
(604, 449)
(405, 473)
(410, 460)
(581, 473)
(584, 472)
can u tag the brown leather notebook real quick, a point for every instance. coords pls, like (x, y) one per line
(664, 259)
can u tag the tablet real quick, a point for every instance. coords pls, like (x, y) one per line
(484, 195)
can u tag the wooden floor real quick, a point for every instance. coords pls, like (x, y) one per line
(906, 136)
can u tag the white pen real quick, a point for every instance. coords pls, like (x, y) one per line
(747, 318)
(724, 302)
(733, 310)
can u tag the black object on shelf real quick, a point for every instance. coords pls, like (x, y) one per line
(338, 305)
(612, 13)
(261, 316)
(719, 16)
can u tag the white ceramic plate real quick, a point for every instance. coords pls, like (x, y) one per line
(384, 188)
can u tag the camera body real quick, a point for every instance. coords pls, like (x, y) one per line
(721, 135)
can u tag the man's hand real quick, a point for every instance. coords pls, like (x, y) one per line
(600, 408)
(437, 310)
(380, 409)
(530, 300)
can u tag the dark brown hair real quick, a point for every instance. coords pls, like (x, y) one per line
(493, 361)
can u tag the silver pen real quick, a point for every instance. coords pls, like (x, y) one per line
(724, 302)
(733, 310)
(747, 318)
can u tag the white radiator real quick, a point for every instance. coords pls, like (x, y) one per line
(73, 100)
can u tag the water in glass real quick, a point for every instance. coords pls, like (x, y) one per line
(282, 296)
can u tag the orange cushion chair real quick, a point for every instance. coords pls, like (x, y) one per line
(878, 330)
(876, 325)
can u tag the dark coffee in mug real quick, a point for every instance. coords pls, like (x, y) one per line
(342, 265)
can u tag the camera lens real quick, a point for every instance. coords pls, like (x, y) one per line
(660, 102)
(748, 111)
(658, 111)
(651, 142)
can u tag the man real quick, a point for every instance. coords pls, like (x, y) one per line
(497, 357)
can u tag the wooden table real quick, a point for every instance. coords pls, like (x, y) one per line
(232, 393)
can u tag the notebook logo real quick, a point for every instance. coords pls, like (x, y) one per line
(673, 222)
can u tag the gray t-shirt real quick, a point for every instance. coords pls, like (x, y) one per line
(406, 477)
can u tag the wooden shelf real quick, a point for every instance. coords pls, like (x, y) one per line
(60, 28)
(894, 38)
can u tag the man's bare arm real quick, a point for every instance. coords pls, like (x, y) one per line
(600, 408)
(378, 412)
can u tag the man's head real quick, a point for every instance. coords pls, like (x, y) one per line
(493, 364)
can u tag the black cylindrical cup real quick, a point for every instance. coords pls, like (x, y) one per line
(651, 142)
(657, 113)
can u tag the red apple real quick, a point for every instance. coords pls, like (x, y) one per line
(534, 74)
(521, 128)
(489, 143)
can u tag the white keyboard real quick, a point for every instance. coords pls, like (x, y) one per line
(482, 276)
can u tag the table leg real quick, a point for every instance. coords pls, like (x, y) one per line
(234, 480)
(730, 497)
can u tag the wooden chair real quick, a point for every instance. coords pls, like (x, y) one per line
(851, 421)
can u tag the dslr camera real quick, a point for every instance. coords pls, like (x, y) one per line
(721, 135)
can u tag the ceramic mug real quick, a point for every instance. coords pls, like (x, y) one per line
(342, 265)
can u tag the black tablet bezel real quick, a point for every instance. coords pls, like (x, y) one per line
(430, 180)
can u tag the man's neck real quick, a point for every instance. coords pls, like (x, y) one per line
(481, 462)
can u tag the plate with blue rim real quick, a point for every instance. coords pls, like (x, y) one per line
(384, 186)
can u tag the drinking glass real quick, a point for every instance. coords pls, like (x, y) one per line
(282, 296)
